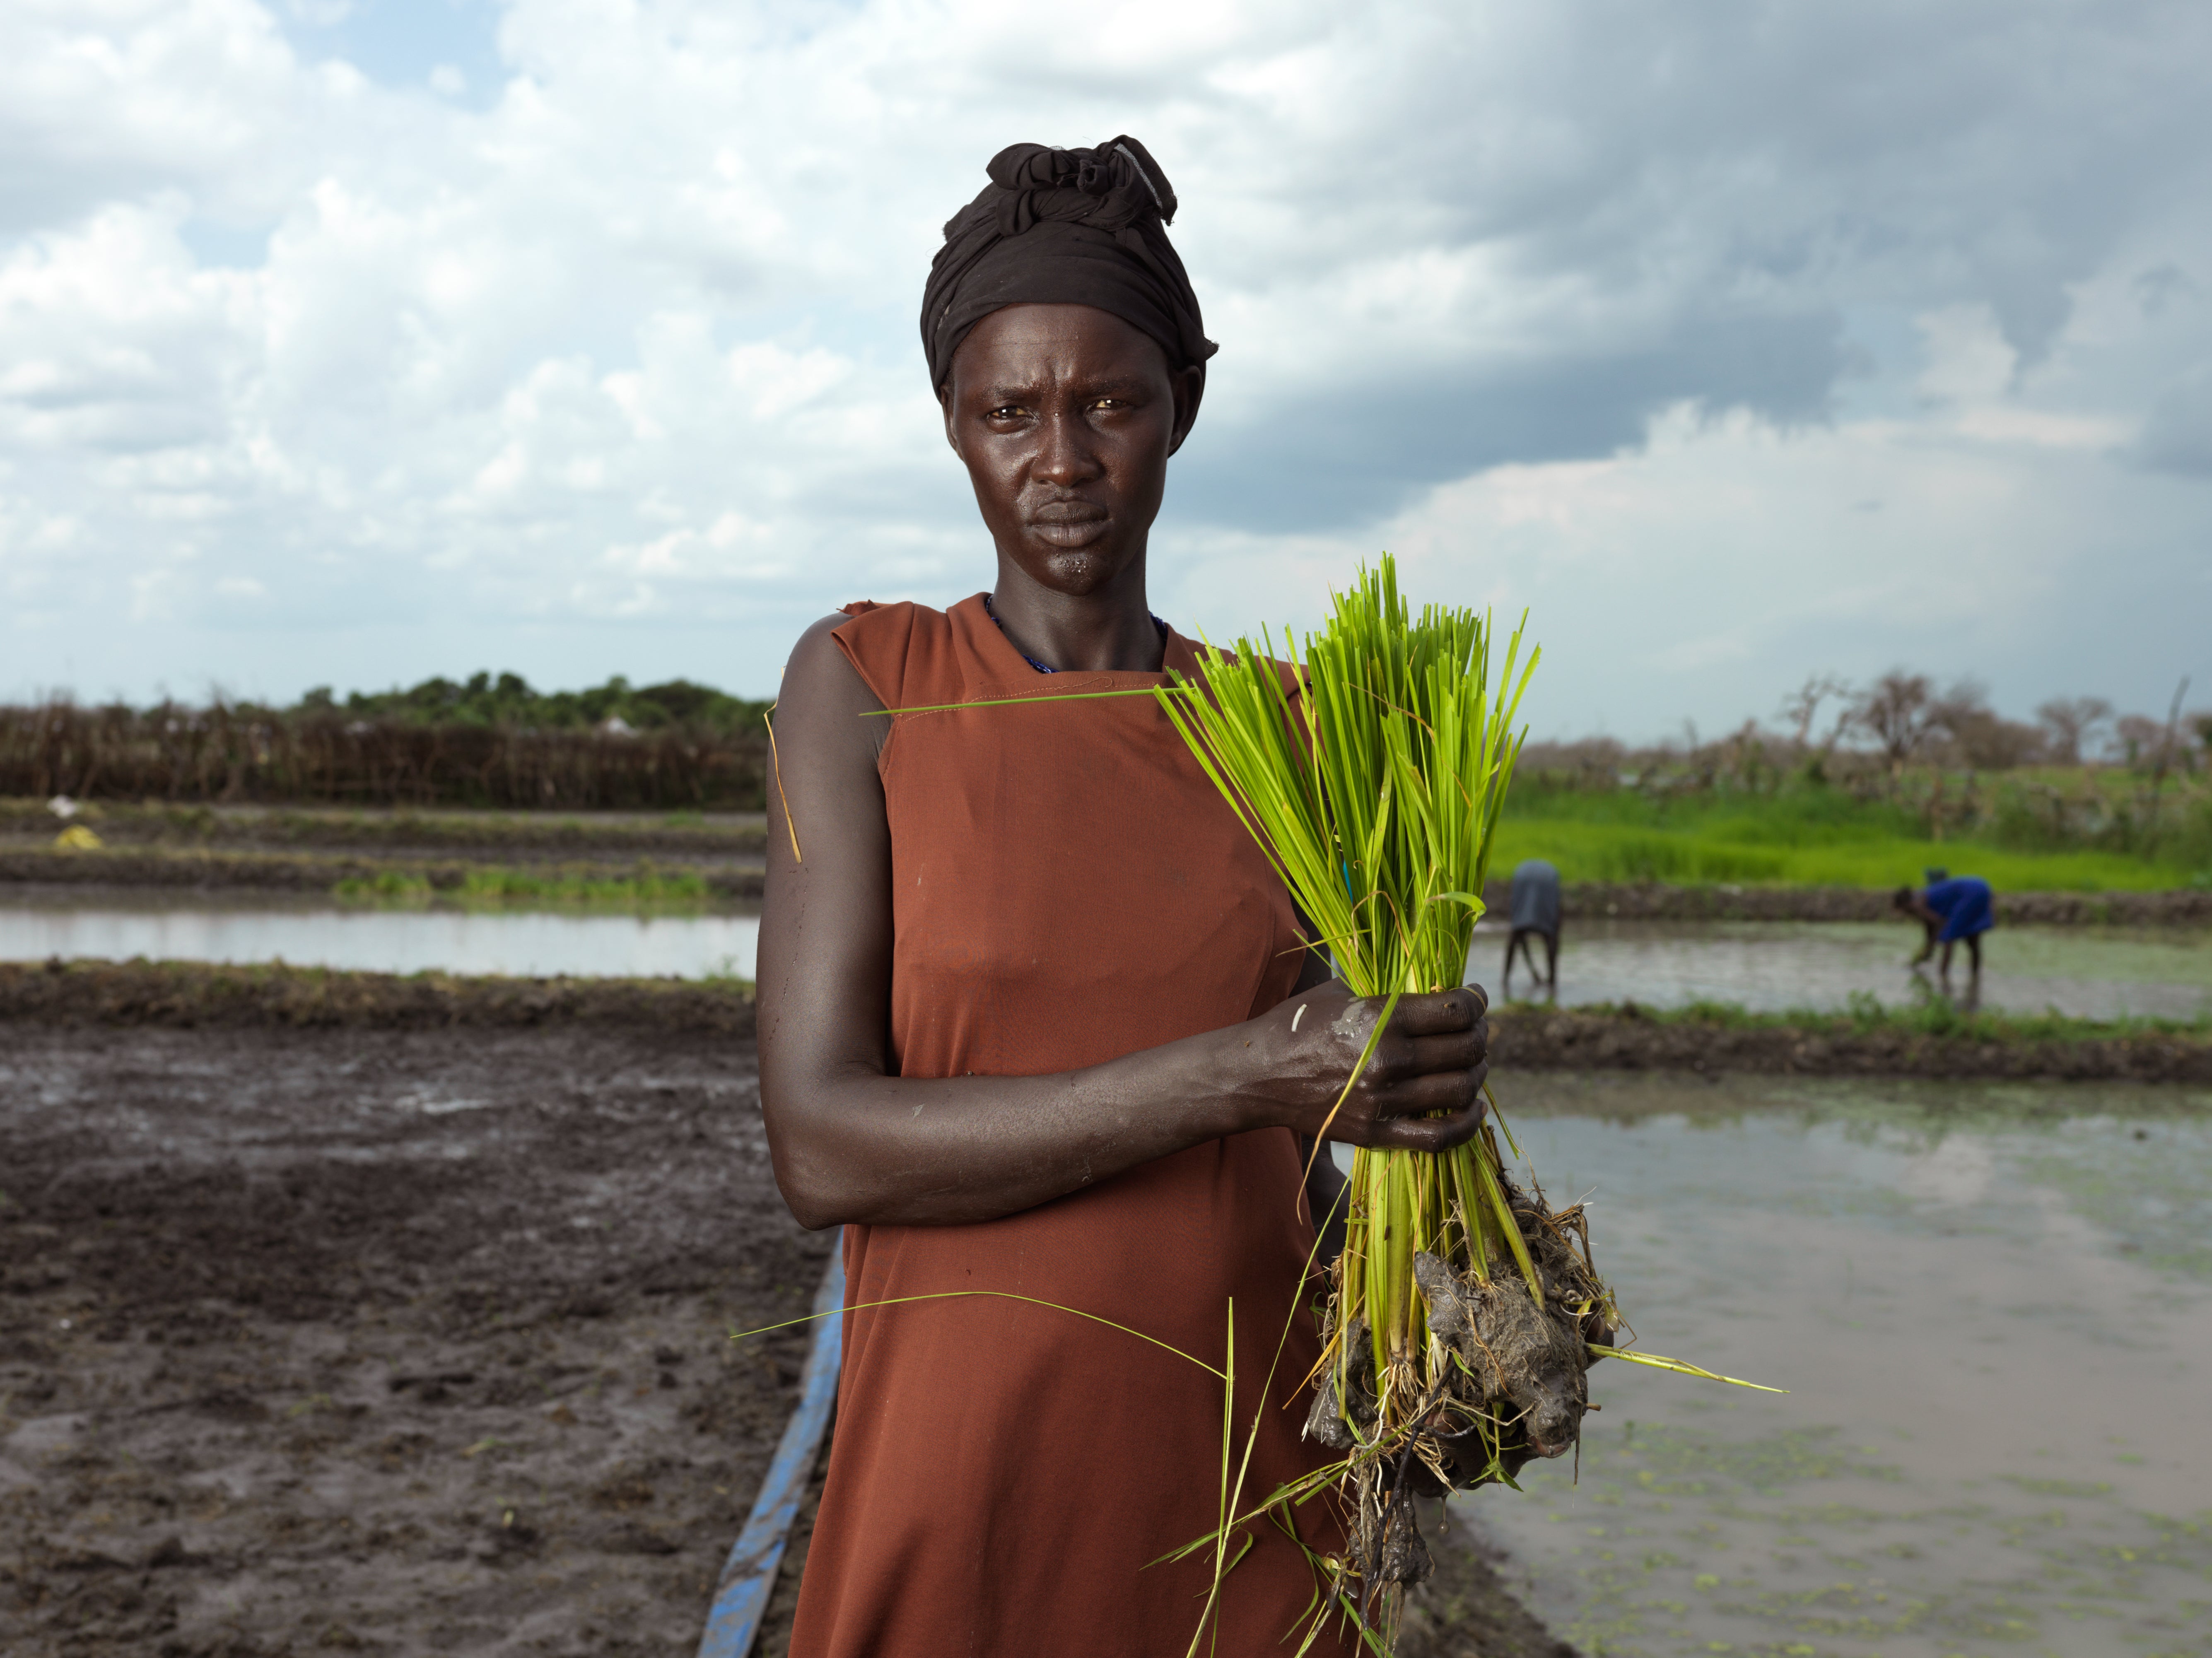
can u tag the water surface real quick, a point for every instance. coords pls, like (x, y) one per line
(320, 934)
(2098, 973)
(2094, 973)
(1993, 1309)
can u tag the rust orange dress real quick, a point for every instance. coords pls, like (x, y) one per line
(1069, 887)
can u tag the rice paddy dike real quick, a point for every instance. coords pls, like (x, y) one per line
(672, 860)
(1935, 1041)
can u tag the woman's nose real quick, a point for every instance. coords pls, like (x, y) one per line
(1064, 453)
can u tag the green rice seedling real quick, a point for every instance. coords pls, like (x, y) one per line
(1373, 776)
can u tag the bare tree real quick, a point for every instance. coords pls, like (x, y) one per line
(1978, 734)
(1802, 707)
(1895, 712)
(2070, 719)
(2138, 742)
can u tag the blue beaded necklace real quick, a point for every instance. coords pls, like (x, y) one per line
(1042, 667)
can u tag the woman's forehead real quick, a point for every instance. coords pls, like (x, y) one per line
(1023, 343)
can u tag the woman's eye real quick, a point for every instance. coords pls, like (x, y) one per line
(1006, 412)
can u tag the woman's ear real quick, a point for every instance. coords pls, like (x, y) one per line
(944, 402)
(1189, 386)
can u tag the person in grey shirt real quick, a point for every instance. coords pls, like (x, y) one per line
(1535, 908)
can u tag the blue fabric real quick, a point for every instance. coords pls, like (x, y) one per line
(1963, 901)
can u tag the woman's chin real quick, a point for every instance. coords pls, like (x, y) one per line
(1075, 571)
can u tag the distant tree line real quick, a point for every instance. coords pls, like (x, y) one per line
(509, 700)
(1832, 731)
(2081, 771)
(1903, 717)
(485, 742)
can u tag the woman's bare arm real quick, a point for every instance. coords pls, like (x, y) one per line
(851, 1142)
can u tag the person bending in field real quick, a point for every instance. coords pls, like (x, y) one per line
(1039, 1026)
(1536, 915)
(1950, 909)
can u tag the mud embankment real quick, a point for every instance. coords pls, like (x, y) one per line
(1815, 1045)
(302, 850)
(191, 995)
(217, 871)
(1911, 1043)
(30, 824)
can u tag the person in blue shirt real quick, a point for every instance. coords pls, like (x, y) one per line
(1954, 907)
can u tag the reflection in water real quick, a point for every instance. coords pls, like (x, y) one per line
(1992, 1317)
(391, 941)
(2089, 972)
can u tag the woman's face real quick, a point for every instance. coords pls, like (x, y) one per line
(1066, 417)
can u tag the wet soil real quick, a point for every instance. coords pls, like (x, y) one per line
(196, 995)
(339, 1337)
(1629, 1039)
(737, 877)
(31, 824)
(382, 1341)
(192, 995)
(1464, 1609)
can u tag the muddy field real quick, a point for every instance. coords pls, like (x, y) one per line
(381, 1342)
(404, 1341)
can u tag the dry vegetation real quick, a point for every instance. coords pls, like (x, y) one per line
(670, 746)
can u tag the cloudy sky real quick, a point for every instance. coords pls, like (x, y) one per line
(353, 341)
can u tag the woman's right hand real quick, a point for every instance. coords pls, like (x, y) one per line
(1421, 1089)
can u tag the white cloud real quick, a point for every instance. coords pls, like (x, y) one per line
(1731, 338)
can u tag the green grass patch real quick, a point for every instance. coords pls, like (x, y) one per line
(1812, 834)
(494, 887)
(1740, 849)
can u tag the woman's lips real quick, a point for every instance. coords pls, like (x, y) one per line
(1068, 523)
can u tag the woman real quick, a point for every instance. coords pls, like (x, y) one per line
(1037, 1018)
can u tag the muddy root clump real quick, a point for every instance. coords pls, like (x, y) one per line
(1505, 1378)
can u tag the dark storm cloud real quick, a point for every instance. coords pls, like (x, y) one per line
(1678, 204)
(1366, 449)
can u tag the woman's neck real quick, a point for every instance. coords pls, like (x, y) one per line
(1110, 630)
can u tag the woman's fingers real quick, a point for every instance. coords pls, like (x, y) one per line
(1441, 1091)
(1442, 1014)
(1422, 1056)
(1430, 1133)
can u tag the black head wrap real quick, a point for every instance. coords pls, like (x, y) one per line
(1065, 226)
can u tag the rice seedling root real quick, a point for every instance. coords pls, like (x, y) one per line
(1503, 1378)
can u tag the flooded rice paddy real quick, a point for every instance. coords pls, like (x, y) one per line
(537, 943)
(1992, 1306)
(2095, 973)
(2092, 973)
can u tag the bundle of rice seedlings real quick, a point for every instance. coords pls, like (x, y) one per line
(1463, 1308)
